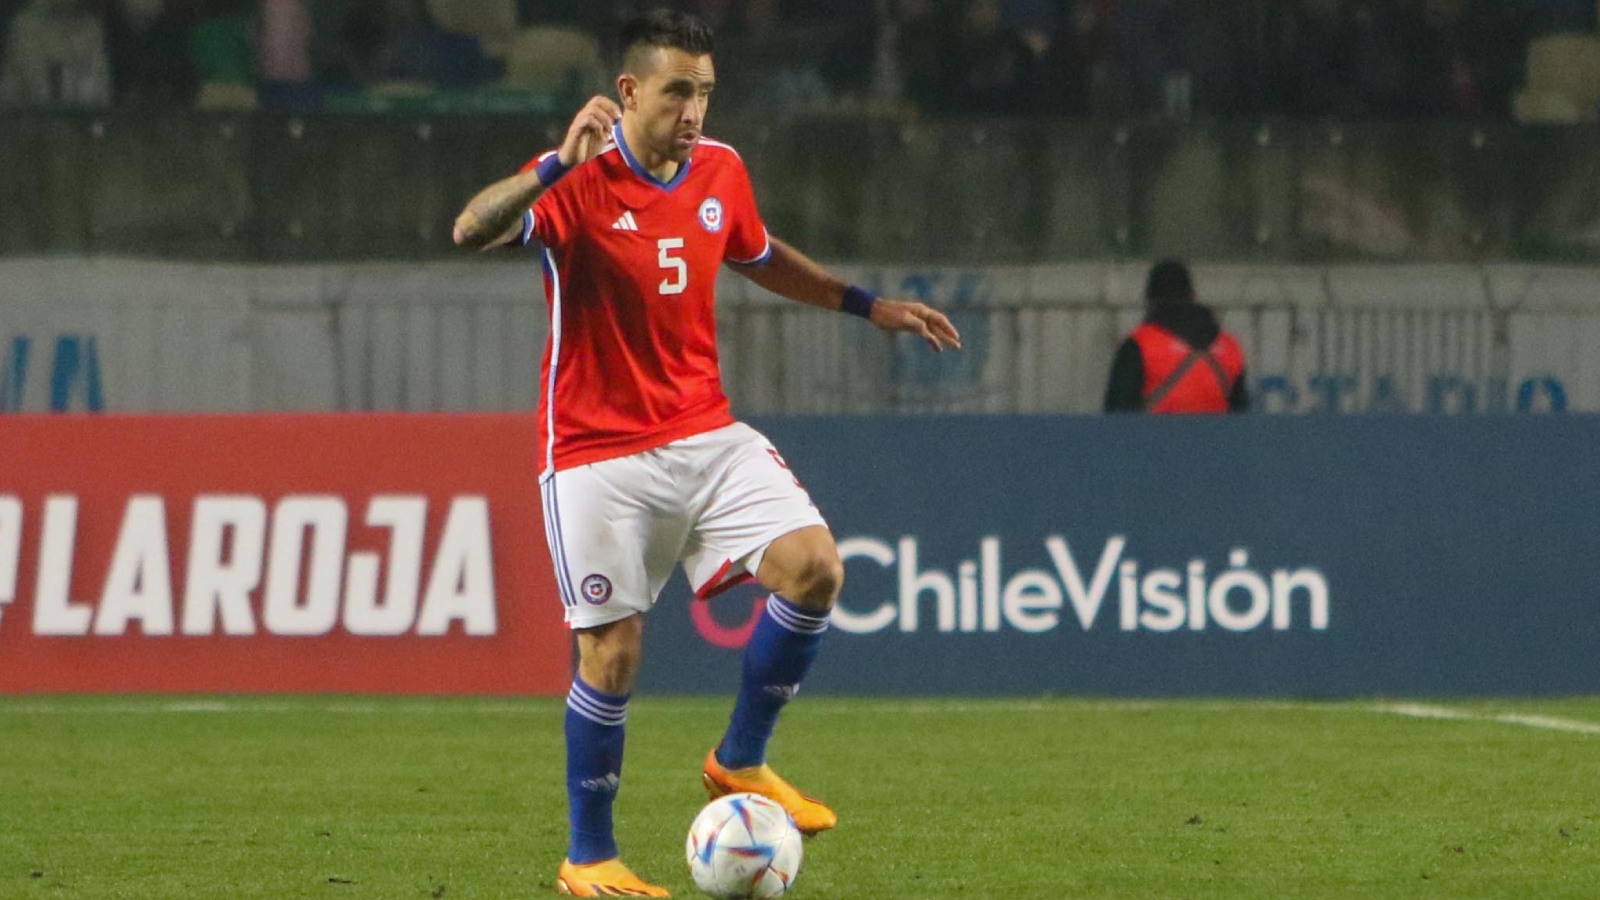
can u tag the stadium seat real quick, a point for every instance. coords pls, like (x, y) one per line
(409, 88)
(549, 58)
(225, 95)
(1563, 80)
(492, 21)
(1545, 108)
(222, 51)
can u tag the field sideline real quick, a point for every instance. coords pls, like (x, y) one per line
(334, 797)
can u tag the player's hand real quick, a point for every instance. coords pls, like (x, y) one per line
(588, 131)
(920, 319)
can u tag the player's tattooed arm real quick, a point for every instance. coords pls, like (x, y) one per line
(494, 216)
(790, 273)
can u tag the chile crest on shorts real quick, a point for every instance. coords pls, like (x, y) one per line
(596, 589)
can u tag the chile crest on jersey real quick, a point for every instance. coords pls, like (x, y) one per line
(711, 215)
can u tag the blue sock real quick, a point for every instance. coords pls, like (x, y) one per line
(785, 641)
(594, 769)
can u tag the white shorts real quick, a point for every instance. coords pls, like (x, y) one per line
(713, 502)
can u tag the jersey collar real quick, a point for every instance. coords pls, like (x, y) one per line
(640, 170)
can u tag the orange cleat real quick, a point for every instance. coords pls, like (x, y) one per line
(607, 878)
(810, 814)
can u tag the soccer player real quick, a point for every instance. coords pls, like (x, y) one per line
(643, 464)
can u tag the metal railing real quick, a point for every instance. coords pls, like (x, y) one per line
(1018, 358)
(469, 335)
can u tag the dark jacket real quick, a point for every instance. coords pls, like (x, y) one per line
(1197, 325)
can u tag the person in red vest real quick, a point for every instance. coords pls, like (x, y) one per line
(1179, 360)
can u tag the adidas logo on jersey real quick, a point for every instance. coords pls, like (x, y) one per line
(626, 223)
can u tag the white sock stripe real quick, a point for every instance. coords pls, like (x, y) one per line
(794, 620)
(589, 702)
(582, 700)
(788, 618)
(610, 723)
(783, 606)
(582, 707)
(605, 701)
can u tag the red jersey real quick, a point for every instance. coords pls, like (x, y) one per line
(630, 267)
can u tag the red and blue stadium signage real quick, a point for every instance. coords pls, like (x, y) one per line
(1130, 556)
(1165, 556)
(390, 554)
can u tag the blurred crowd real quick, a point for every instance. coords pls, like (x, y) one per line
(1289, 58)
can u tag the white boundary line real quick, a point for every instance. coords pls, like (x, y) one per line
(1548, 723)
(515, 706)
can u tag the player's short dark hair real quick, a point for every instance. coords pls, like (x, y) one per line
(664, 28)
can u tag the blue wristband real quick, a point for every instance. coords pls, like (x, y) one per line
(550, 169)
(858, 302)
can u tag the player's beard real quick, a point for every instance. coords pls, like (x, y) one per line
(679, 151)
(674, 145)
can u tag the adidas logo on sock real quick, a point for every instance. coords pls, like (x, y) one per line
(626, 223)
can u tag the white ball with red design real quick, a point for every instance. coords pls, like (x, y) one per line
(744, 846)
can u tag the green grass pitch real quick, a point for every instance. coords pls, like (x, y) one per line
(330, 797)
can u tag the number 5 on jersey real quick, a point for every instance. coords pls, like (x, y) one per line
(675, 282)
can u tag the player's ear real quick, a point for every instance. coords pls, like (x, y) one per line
(628, 90)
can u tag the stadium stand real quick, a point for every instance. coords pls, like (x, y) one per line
(1563, 80)
(552, 59)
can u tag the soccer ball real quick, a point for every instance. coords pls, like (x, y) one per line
(744, 845)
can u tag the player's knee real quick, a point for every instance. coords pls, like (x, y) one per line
(612, 673)
(819, 580)
(804, 568)
(608, 656)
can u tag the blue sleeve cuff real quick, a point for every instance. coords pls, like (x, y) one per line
(550, 169)
(858, 302)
